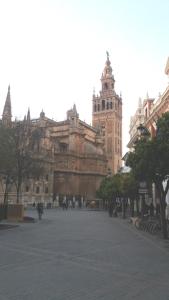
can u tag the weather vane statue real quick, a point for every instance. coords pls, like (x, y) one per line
(107, 55)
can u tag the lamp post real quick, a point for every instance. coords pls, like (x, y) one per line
(143, 134)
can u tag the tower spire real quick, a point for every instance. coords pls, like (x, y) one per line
(107, 55)
(28, 116)
(107, 78)
(7, 115)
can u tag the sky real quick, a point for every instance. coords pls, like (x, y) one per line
(53, 52)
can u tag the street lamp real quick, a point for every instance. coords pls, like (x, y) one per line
(143, 132)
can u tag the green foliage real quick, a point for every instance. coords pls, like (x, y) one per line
(163, 127)
(119, 185)
(105, 190)
(150, 160)
(129, 185)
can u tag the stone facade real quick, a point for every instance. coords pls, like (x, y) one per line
(76, 156)
(148, 112)
(107, 116)
(72, 154)
(142, 112)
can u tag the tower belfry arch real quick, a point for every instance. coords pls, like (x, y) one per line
(107, 114)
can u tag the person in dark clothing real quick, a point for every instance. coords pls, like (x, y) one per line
(110, 209)
(40, 210)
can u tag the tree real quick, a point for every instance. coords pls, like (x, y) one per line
(129, 189)
(119, 185)
(17, 161)
(150, 162)
(7, 157)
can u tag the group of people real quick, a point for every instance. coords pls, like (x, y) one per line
(72, 203)
(65, 204)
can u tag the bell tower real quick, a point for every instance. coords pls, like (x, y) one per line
(107, 115)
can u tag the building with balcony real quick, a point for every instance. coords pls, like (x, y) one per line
(147, 113)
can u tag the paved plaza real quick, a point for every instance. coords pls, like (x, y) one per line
(81, 255)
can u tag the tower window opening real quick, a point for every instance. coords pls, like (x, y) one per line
(63, 147)
(106, 86)
(95, 108)
(98, 107)
(111, 105)
(103, 104)
(27, 189)
(37, 190)
(107, 105)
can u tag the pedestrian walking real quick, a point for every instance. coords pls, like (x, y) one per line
(70, 204)
(40, 210)
(64, 203)
(74, 202)
(110, 209)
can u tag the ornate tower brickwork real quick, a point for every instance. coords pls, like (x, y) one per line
(107, 115)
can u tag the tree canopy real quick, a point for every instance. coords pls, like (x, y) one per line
(119, 185)
(150, 162)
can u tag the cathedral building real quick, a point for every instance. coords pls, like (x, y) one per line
(72, 153)
(75, 155)
(107, 115)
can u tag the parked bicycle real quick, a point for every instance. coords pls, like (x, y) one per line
(148, 224)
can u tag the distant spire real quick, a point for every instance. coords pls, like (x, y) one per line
(139, 102)
(167, 67)
(74, 109)
(107, 53)
(147, 96)
(28, 116)
(7, 115)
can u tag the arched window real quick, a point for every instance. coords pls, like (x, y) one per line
(103, 104)
(95, 108)
(37, 190)
(111, 105)
(107, 105)
(106, 86)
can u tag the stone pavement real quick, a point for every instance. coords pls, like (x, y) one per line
(81, 255)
